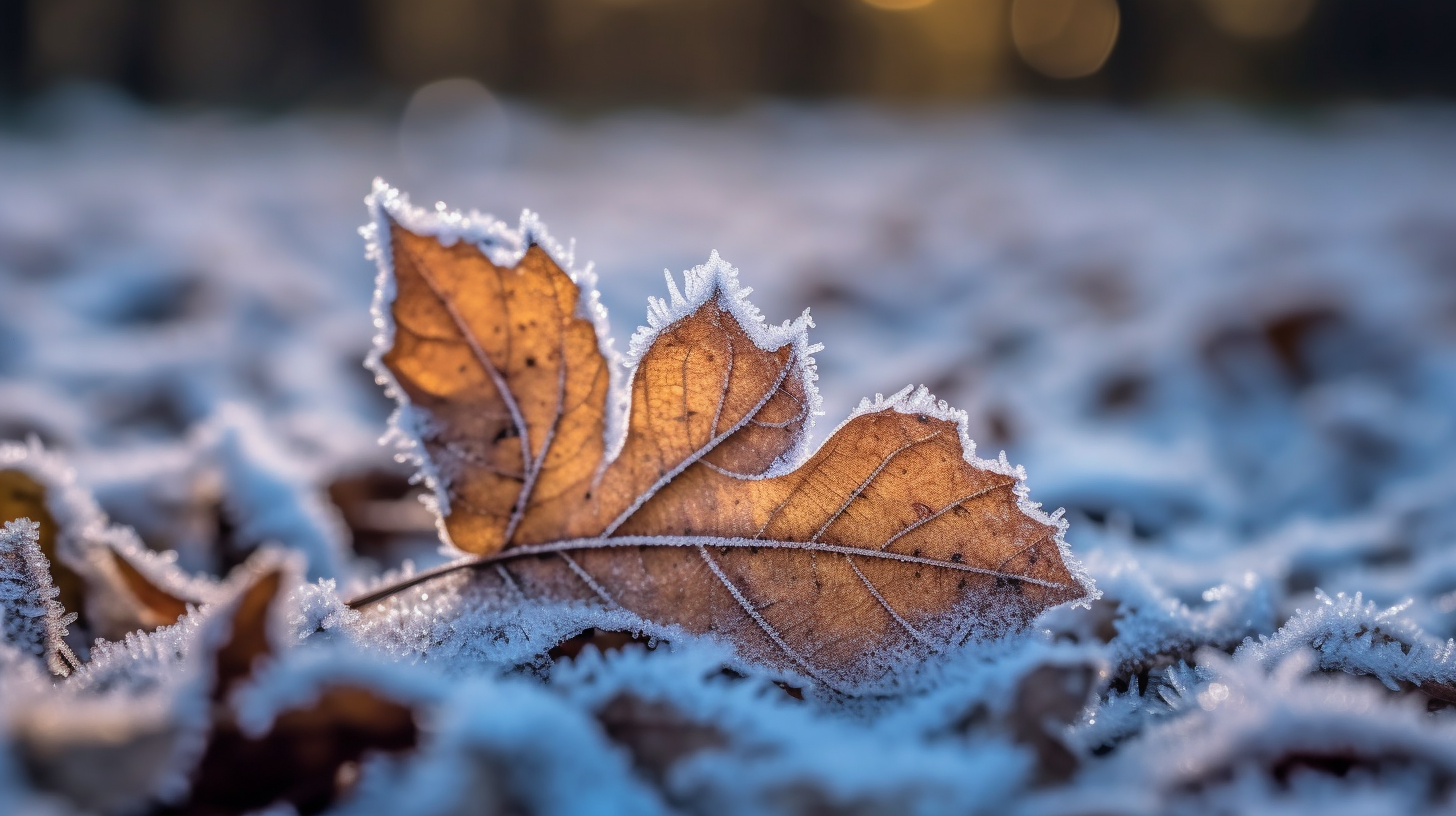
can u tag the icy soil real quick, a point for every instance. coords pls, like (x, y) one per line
(1223, 344)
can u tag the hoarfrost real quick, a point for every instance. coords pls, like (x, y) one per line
(1235, 374)
(33, 619)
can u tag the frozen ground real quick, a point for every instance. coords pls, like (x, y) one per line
(1224, 344)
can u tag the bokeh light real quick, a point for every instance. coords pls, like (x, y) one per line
(1258, 19)
(451, 126)
(898, 5)
(1065, 39)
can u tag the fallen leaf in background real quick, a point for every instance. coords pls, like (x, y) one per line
(308, 756)
(155, 606)
(701, 506)
(104, 573)
(22, 496)
(34, 621)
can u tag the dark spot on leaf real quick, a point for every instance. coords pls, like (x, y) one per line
(957, 557)
(921, 510)
(1009, 582)
(530, 362)
(507, 432)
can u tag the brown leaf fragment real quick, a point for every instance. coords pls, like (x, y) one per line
(602, 639)
(386, 521)
(1043, 699)
(889, 543)
(154, 606)
(104, 573)
(1048, 700)
(248, 639)
(308, 758)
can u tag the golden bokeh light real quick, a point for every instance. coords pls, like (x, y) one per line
(898, 5)
(1258, 19)
(1065, 39)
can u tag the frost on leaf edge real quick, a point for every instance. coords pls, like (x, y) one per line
(716, 278)
(20, 539)
(918, 400)
(504, 246)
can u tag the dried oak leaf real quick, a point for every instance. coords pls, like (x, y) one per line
(690, 497)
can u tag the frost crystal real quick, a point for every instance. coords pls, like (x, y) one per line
(34, 620)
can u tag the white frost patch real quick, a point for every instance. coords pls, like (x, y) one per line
(1353, 635)
(1104, 304)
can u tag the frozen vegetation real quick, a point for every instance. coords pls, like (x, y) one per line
(1224, 345)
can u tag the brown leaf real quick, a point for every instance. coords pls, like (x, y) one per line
(104, 573)
(308, 758)
(309, 755)
(248, 639)
(885, 545)
(154, 606)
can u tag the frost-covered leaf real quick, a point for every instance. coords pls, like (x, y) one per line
(690, 497)
(248, 638)
(306, 758)
(33, 619)
(22, 495)
(155, 605)
(105, 574)
(307, 754)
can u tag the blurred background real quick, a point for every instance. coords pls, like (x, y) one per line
(1192, 262)
(596, 54)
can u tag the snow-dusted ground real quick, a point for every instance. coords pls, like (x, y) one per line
(1224, 344)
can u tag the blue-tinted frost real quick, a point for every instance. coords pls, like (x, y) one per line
(1097, 291)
